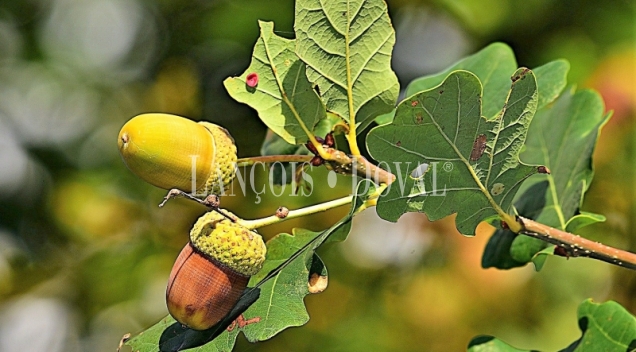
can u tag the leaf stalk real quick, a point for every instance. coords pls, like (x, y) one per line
(317, 208)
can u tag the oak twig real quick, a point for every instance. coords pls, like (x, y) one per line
(269, 159)
(577, 246)
(357, 165)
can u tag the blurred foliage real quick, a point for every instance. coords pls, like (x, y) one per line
(85, 250)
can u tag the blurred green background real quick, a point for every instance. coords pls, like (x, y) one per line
(85, 252)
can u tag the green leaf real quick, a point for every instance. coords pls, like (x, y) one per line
(440, 128)
(540, 258)
(573, 122)
(385, 118)
(606, 327)
(490, 344)
(281, 303)
(551, 79)
(583, 219)
(497, 253)
(347, 46)
(524, 248)
(272, 303)
(275, 145)
(283, 97)
(492, 65)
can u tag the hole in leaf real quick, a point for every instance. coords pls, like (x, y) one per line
(497, 189)
(317, 283)
(419, 171)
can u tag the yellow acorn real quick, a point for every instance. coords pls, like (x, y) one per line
(212, 270)
(171, 151)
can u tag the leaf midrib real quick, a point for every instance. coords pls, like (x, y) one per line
(352, 118)
(484, 191)
(605, 334)
(284, 97)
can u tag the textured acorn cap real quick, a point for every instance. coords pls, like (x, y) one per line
(224, 160)
(229, 243)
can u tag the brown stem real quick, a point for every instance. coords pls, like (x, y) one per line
(268, 159)
(212, 201)
(577, 246)
(357, 165)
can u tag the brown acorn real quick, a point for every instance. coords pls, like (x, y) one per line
(212, 270)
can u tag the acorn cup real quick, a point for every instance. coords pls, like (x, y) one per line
(212, 270)
(170, 151)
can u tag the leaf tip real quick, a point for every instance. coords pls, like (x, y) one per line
(122, 342)
(265, 25)
(521, 73)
